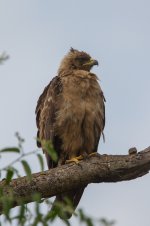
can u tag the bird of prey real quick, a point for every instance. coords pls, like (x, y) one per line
(70, 113)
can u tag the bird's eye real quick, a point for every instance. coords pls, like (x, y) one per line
(82, 60)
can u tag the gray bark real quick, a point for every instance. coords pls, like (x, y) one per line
(94, 169)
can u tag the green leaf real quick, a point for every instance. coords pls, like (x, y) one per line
(13, 149)
(3, 57)
(50, 149)
(27, 169)
(85, 219)
(16, 172)
(105, 222)
(21, 216)
(9, 175)
(7, 203)
(36, 197)
(40, 158)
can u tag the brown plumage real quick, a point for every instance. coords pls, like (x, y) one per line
(71, 113)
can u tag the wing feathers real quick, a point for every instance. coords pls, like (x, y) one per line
(46, 111)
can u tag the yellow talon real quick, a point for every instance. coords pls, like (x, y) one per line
(93, 153)
(75, 159)
(80, 157)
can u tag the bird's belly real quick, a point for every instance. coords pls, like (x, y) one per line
(75, 126)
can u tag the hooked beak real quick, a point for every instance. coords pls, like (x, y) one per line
(94, 62)
(91, 62)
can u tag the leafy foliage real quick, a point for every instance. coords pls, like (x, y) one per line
(26, 216)
(50, 149)
(40, 158)
(3, 57)
(27, 169)
(13, 149)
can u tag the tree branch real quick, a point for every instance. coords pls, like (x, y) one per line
(94, 169)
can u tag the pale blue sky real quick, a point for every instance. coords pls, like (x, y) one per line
(37, 34)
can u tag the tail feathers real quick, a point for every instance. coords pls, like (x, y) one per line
(65, 204)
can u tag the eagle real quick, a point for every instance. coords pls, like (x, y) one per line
(70, 113)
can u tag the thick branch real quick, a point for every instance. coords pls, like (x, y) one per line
(95, 169)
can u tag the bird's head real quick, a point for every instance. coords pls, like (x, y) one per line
(77, 60)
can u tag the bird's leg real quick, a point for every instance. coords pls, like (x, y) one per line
(75, 159)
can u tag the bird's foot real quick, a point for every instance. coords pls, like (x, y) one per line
(92, 154)
(75, 159)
